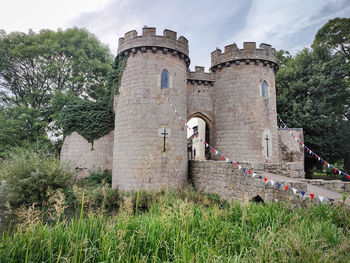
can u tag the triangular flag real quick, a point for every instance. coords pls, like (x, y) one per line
(272, 182)
(302, 193)
(339, 172)
(235, 165)
(278, 185)
(312, 196)
(239, 167)
(265, 179)
(249, 171)
(244, 170)
(200, 140)
(223, 157)
(254, 174)
(216, 152)
(325, 163)
(287, 187)
(227, 160)
(213, 150)
(328, 165)
(331, 199)
(260, 176)
(319, 158)
(321, 198)
(335, 169)
(348, 177)
(294, 190)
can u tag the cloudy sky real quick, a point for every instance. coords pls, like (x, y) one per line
(207, 24)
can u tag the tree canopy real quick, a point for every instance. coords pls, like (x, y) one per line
(42, 72)
(336, 35)
(312, 93)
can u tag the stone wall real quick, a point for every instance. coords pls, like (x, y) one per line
(290, 150)
(334, 185)
(221, 178)
(289, 169)
(78, 152)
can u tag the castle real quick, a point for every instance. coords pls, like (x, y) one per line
(236, 99)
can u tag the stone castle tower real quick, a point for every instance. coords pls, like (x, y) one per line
(236, 99)
(141, 158)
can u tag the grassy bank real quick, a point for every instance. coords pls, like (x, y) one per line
(186, 227)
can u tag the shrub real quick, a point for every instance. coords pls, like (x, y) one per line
(96, 178)
(29, 174)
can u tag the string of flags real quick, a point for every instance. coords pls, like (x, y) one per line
(309, 151)
(247, 171)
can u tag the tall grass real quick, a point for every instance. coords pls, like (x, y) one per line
(187, 226)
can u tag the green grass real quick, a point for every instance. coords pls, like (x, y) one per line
(187, 226)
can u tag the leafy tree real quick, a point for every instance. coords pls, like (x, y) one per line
(41, 72)
(312, 93)
(283, 57)
(19, 127)
(336, 35)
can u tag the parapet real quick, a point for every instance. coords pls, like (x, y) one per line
(265, 54)
(200, 76)
(167, 43)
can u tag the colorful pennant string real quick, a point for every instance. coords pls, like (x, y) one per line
(249, 171)
(308, 150)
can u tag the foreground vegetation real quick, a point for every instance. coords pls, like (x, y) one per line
(185, 226)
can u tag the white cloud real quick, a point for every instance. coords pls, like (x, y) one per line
(288, 24)
(21, 15)
(207, 24)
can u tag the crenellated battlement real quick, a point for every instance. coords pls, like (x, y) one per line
(167, 43)
(265, 55)
(200, 77)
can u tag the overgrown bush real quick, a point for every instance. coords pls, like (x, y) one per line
(29, 174)
(97, 177)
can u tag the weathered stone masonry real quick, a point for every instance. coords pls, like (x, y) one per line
(231, 99)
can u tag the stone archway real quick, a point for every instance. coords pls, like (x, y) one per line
(204, 132)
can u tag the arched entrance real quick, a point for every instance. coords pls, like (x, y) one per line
(201, 124)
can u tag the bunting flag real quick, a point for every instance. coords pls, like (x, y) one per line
(254, 174)
(308, 150)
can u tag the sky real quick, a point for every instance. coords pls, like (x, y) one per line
(285, 24)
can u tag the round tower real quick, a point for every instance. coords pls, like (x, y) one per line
(150, 149)
(245, 127)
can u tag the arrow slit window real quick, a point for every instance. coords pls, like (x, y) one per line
(264, 91)
(165, 79)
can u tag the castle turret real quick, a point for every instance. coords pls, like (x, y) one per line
(150, 150)
(244, 96)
